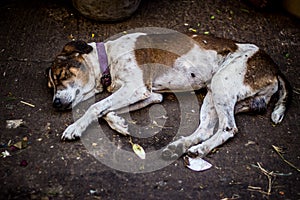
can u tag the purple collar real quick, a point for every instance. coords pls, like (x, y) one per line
(102, 57)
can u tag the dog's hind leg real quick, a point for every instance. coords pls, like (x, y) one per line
(225, 93)
(208, 121)
(224, 106)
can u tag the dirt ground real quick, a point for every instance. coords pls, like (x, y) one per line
(31, 34)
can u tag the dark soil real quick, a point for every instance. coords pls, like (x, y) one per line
(31, 34)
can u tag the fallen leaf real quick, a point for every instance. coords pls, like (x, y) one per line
(21, 144)
(18, 145)
(193, 30)
(139, 151)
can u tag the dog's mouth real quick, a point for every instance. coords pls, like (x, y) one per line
(66, 103)
(68, 107)
(58, 104)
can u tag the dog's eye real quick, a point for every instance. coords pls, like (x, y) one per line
(64, 78)
(62, 75)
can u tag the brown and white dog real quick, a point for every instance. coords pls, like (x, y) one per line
(239, 78)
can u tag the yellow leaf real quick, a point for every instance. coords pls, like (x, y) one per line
(139, 151)
(193, 30)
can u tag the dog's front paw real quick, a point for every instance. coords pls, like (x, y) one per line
(117, 123)
(71, 133)
(174, 150)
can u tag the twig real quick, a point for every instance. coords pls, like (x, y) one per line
(269, 175)
(296, 90)
(276, 173)
(256, 189)
(279, 152)
(28, 104)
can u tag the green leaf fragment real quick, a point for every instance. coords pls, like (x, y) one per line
(287, 55)
(193, 30)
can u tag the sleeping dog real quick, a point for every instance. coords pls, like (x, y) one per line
(239, 77)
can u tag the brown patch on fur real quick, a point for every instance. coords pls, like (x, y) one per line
(166, 48)
(162, 48)
(157, 53)
(150, 55)
(261, 70)
(220, 45)
(154, 62)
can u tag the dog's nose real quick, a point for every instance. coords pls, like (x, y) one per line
(57, 103)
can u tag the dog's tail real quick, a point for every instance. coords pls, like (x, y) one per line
(285, 95)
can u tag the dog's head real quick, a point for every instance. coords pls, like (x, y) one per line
(70, 75)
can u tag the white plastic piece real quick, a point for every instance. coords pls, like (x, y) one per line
(198, 164)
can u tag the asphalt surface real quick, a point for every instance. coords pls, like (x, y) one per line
(32, 32)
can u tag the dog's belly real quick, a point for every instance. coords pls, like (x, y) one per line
(191, 71)
(176, 81)
(195, 70)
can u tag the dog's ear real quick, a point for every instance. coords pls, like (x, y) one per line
(77, 47)
(48, 74)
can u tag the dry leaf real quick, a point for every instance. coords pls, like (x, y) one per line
(21, 144)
